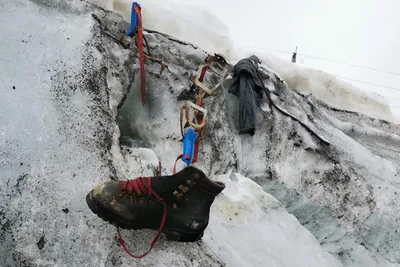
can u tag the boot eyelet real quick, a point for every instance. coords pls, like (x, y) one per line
(185, 189)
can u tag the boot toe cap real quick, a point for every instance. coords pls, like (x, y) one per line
(103, 198)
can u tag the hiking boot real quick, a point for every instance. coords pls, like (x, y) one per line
(177, 205)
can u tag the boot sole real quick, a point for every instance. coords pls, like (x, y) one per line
(176, 235)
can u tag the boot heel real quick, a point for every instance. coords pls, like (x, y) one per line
(183, 237)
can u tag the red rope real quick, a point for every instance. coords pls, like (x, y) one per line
(176, 161)
(203, 73)
(141, 54)
(136, 184)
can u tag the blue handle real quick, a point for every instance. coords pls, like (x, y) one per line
(134, 20)
(189, 141)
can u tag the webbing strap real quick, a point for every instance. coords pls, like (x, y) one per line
(176, 161)
(139, 37)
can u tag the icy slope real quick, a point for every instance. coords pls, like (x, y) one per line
(59, 138)
(250, 228)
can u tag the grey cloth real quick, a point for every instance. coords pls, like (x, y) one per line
(247, 86)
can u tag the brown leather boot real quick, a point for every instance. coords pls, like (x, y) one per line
(177, 205)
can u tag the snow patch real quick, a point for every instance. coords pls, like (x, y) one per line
(248, 227)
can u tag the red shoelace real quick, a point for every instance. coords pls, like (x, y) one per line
(142, 187)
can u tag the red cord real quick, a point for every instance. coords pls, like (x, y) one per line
(176, 161)
(203, 73)
(141, 54)
(136, 185)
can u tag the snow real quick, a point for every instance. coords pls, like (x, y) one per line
(48, 154)
(185, 21)
(289, 200)
(250, 228)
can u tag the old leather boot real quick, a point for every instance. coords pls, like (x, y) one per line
(183, 198)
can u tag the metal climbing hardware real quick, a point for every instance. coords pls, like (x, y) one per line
(194, 123)
(198, 123)
(209, 91)
(193, 129)
(221, 63)
(196, 109)
(201, 91)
